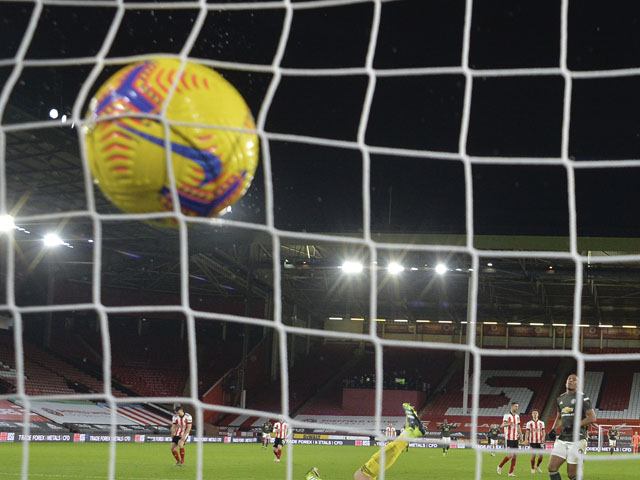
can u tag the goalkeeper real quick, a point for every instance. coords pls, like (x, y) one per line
(371, 469)
(564, 448)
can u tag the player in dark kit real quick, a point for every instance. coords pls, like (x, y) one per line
(446, 436)
(492, 438)
(613, 439)
(564, 448)
(267, 428)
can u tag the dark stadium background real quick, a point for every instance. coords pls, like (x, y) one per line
(415, 201)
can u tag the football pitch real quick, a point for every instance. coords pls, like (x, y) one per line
(57, 461)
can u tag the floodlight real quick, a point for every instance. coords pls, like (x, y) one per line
(441, 268)
(53, 113)
(395, 268)
(52, 240)
(351, 267)
(6, 223)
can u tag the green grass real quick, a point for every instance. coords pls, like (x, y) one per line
(55, 461)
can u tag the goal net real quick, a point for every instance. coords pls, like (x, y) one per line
(441, 183)
(623, 438)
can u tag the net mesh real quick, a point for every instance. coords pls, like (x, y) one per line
(20, 61)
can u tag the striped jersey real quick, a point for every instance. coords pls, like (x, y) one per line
(390, 432)
(181, 423)
(281, 429)
(511, 430)
(536, 431)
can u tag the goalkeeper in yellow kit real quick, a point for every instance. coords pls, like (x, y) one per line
(371, 469)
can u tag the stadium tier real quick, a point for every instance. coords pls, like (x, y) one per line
(524, 380)
(405, 370)
(46, 373)
(327, 359)
(615, 390)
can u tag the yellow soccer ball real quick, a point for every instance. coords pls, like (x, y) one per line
(213, 167)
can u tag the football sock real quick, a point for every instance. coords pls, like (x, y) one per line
(533, 461)
(175, 454)
(278, 453)
(554, 475)
(513, 464)
(182, 455)
(539, 461)
(504, 460)
(391, 453)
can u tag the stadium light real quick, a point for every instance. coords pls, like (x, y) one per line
(335, 318)
(445, 321)
(395, 268)
(536, 324)
(53, 113)
(629, 326)
(490, 323)
(441, 268)
(423, 321)
(52, 240)
(381, 319)
(352, 267)
(6, 223)
(357, 319)
(514, 323)
(401, 320)
(605, 326)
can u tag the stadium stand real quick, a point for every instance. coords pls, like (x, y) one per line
(406, 370)
(46, 373)
(614, 388)
(525, 381)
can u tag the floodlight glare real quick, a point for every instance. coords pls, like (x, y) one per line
(52, 240)
(53, 113)
(395, 268)
(441, 268)
(351, 267)
(6, 223)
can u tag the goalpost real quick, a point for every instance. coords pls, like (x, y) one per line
(361, 144)
(623, 440)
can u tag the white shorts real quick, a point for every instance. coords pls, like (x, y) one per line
(446, 441)
(613, 443)
(570, 451)
(493, 441)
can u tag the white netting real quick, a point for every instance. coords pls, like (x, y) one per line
(97, 63)
(623, 439)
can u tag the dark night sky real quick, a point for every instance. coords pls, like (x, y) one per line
(318, 188)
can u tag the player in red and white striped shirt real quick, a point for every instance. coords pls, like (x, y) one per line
(390, 431)
(281, 432)
(512, 435)
(180, 429)
(535, 432)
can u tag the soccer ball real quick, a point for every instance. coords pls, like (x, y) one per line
(213, 165)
